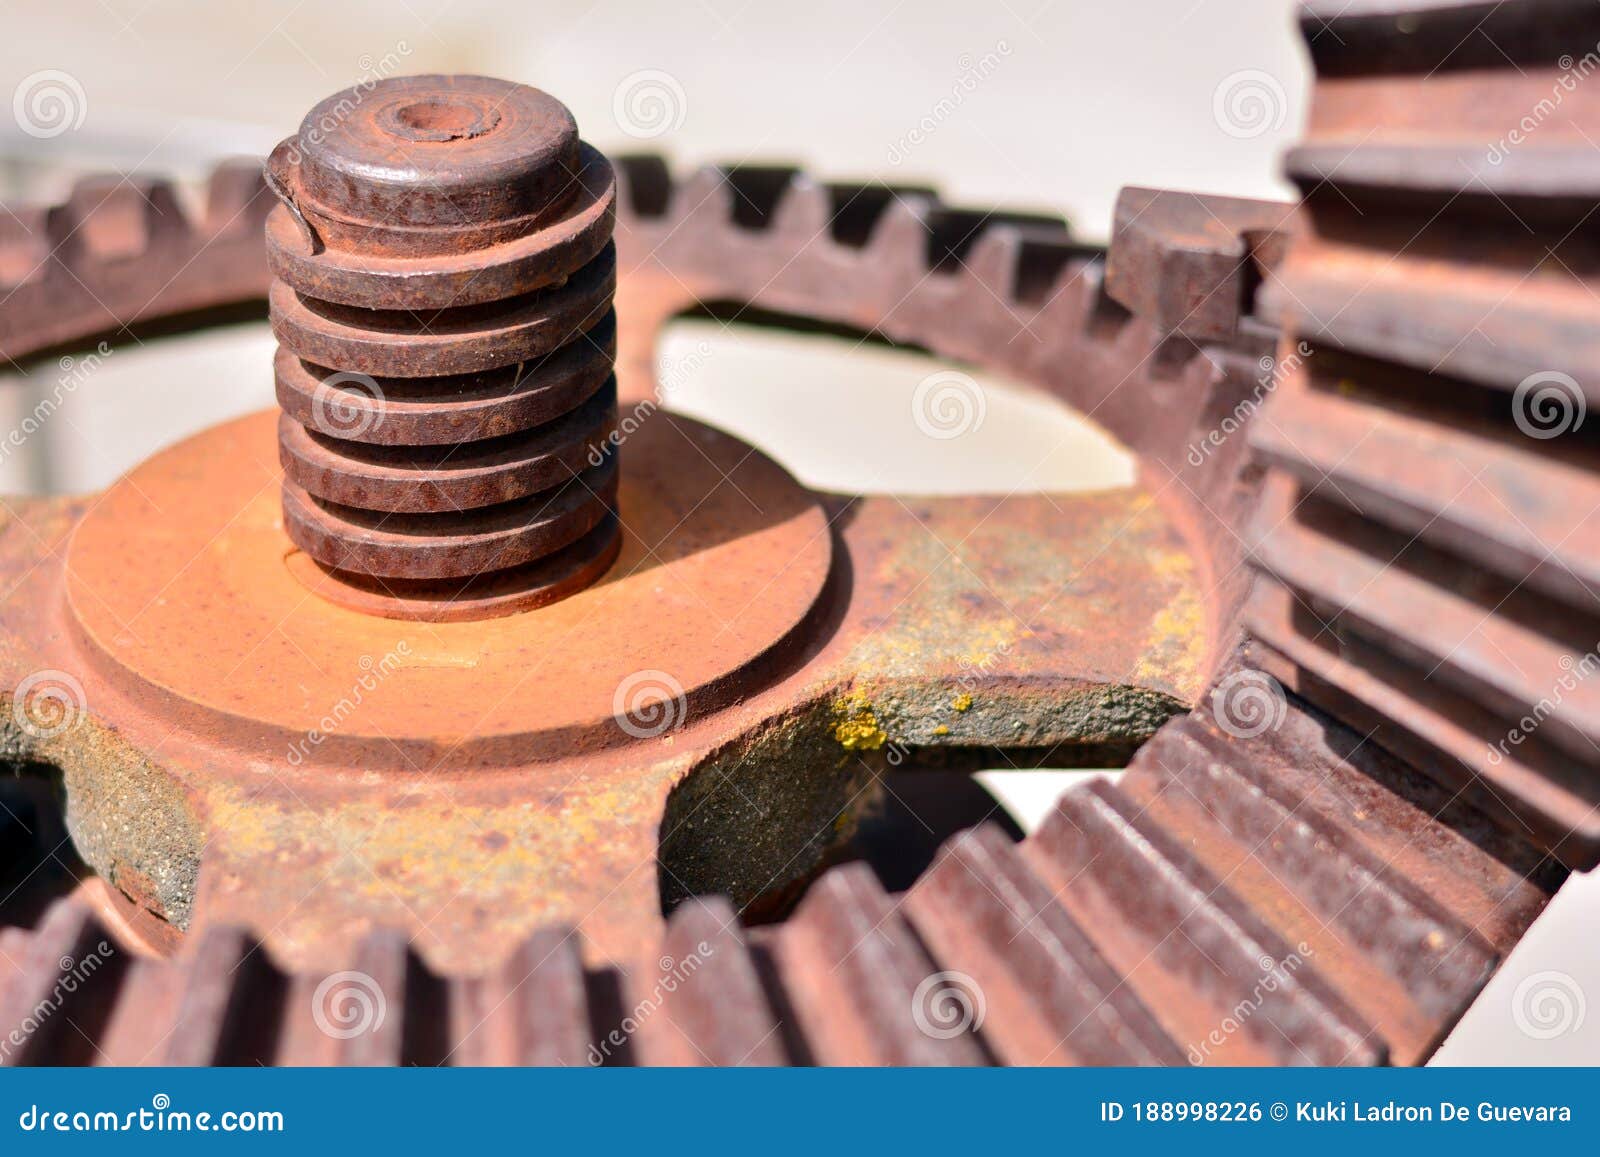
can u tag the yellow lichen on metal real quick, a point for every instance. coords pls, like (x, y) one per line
(855, 725)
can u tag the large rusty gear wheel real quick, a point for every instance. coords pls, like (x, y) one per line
(1392, 575)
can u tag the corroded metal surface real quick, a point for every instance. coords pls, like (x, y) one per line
(1338, 893)
(1431, 526)
(496, 489)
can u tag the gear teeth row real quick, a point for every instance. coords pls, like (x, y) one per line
(1033, 301)
(1189, 946)
(1310, 835)
(1429, 532)
(1397, 958)
(1304, 879)
(1052, 997)
(120, 251)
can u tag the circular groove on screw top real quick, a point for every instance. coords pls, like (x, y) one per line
(447, 410)
(488, 151)
(440, 479)
(406, 343)
(450, 545)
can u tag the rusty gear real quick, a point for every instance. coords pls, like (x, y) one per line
(1364, 833)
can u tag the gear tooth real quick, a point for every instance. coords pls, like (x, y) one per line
(857, 975)
(645, 186)
(230, 1004)
(899, 237)
(855, 209)
(542, 1004)
(1020, 261)
(982, 912)
(704, 193)
(136, 1032)
(757, 193)
(44, 1019)
(111, 219)
(237, 198)
(714, 1010)
(1319, 885)
(1186, 263)
(1046, 267)
(957, 235)
(302, 1043)
(992, 258)
(395, 994)
(24, 245)
(803, 210)
(1190, 946)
